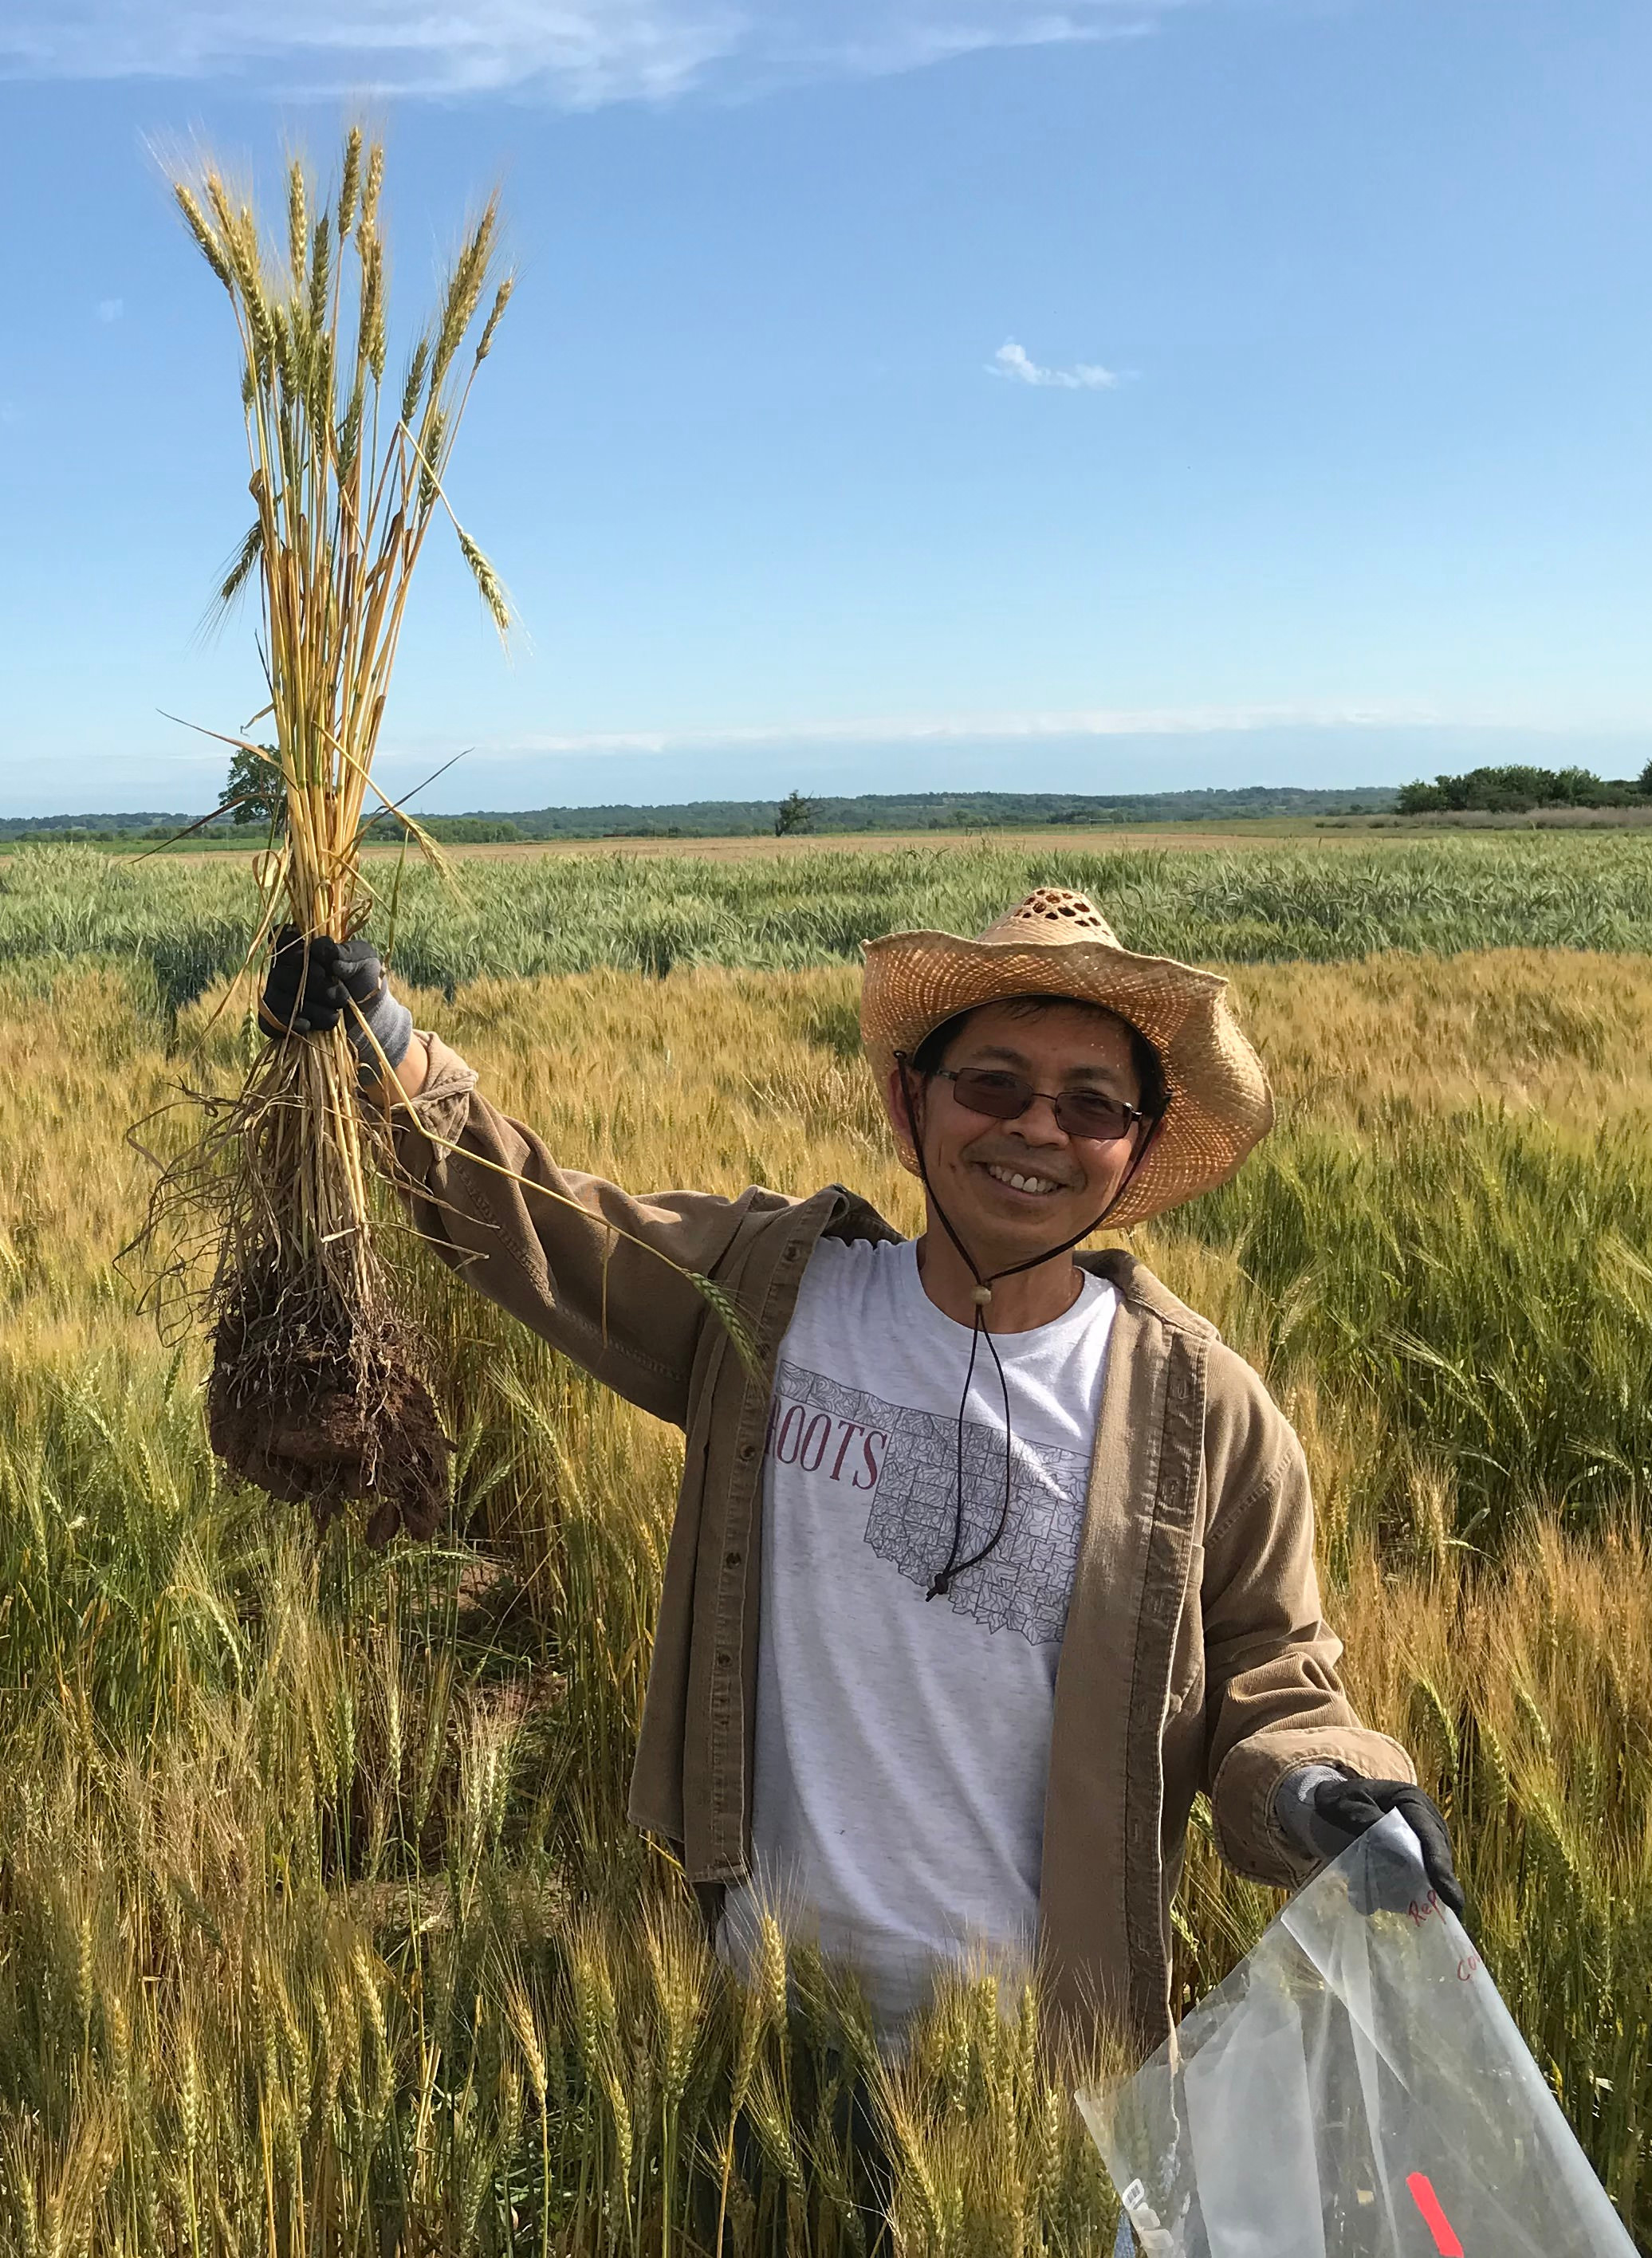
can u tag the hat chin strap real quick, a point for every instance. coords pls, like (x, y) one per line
(952, 1568)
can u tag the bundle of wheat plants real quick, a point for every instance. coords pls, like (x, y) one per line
(317, 1391)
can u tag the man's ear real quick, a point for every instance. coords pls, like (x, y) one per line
(900, 1113)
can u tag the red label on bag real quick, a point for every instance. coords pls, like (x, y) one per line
(1439, 2225)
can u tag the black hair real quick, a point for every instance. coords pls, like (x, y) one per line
(931, 1053)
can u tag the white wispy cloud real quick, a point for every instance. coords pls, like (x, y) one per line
(985, 729)
(962, 729)
(576, 54)
(110, 309)
(1014, 361)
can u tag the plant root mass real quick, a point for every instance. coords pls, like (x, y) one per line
(314, 1419)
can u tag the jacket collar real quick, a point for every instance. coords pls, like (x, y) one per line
(1135, 1283)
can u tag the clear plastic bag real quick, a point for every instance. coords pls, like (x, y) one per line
(1356, 2089)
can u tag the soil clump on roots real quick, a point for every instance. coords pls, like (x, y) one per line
(302, 1405)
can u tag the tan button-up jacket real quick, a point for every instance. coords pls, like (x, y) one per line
(1194, 1655)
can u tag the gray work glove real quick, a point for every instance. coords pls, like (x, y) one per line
(315, 983)
(1324, 1807)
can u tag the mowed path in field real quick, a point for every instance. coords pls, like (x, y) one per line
(1175, 837)
(763, 846)
(1099, 839)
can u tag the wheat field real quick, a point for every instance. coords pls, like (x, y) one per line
(187, 921)
(321, 1927)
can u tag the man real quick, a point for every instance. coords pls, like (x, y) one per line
(1005, 1556)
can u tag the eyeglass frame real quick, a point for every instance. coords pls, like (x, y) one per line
(1055, 1099)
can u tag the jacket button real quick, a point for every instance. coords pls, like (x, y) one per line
(725, 1661)
(747, 1450)
(732, 1559)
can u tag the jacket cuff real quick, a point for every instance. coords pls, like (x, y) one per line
(448, 1076)
(1250, 1834)
(436, 1117)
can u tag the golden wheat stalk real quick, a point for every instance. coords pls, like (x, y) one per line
(316, 1390)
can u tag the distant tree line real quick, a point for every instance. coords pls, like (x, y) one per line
(1517, 790)
(251, 796)
(54, 828)
(249, 802)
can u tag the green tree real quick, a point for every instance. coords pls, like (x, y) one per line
(252, 792)
(1420, 798)
(1514, 790)
(794, 813)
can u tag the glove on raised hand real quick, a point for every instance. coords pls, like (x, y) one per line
(314, 984)
(1323, 1810)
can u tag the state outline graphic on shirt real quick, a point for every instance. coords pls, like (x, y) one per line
(1026, 1582)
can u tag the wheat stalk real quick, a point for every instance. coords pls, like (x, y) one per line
(345, 481)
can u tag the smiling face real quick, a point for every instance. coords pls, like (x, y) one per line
(1013, 1188)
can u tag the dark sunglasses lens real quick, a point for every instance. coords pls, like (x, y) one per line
(1086, 1113)
(1000, 1097)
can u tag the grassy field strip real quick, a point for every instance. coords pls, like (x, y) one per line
(1067, 839)
(189, 924)
(321, 1927)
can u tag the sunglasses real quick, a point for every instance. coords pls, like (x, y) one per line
(1003, 1097)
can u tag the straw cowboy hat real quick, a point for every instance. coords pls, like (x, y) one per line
(1058, 943)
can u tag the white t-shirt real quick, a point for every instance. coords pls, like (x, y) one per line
(903, 1743)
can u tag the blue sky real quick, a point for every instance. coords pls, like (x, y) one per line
(1119, 394)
